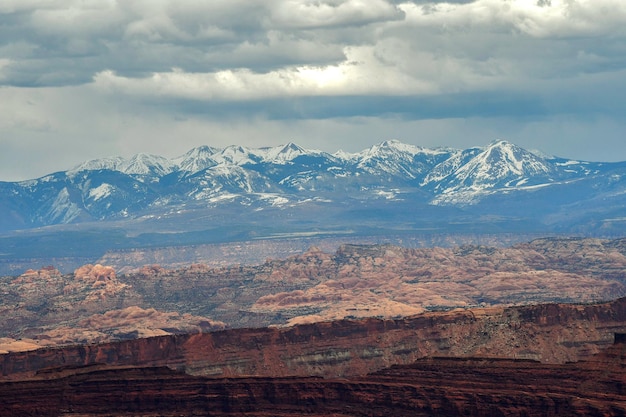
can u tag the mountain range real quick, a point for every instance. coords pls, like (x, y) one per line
(237, 193)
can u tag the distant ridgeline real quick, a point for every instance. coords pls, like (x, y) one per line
(237, 194)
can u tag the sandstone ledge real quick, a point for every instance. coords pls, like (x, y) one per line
(550, 333)
(429, 387)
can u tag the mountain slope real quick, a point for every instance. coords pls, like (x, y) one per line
(391, 184)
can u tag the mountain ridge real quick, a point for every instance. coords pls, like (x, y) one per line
(251, 193)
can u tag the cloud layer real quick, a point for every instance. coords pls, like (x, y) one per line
(90, 76)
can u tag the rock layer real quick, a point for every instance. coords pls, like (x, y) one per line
(429, 387)
(551, 333)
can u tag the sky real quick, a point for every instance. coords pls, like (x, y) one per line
(85, 79)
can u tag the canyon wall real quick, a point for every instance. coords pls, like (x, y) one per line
(433, 387)
(551, 333)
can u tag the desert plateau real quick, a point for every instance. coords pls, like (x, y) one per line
(536, 328)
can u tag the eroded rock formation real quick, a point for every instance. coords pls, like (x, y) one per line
(46, 308)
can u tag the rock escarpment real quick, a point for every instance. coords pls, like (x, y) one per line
(429, 387)
(552, 333)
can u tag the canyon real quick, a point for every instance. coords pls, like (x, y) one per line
(96, 304)
(471, 363)
(536, 328)
(430, 387)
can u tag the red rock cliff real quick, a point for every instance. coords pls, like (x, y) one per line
(549, 333)
(429, 387)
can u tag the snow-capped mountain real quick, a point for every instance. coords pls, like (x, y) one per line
(196, 159)
(284, 154)
(146, 164)
(468, 175)
(399, 159)
(140, 164)
(113, 164)
(384, 183)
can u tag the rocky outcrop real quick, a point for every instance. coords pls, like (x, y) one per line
(429, 387)
(548, 333)
(47, 308)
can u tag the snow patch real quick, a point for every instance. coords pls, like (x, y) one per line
(275, 200)
(101, 191)
(389, 194)
(222, 197)
(63, 209)
(567, 163)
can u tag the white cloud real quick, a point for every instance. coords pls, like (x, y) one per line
(461, 44)
(555, 18)
(78, 19)
(361, 73)
(319, 14)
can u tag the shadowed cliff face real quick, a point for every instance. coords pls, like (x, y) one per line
(429, 387)
(96, 305)
(548, 333)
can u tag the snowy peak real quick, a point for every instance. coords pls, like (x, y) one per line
(112, 164)
(147, 164)
(399, 159)
(284, 154)
(140, 164)
(499, 165)
(510, 159)
(503, 163)
(236, 155)
(388, 148)
(197, 159)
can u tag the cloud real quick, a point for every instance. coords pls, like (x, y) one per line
(332, 13)
(541, 19)
(94, 77)
(419, 49)
(362, 73)
(453, 45)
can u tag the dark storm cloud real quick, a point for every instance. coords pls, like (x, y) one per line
(441, 46)
(440, 106)
(69, 42)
